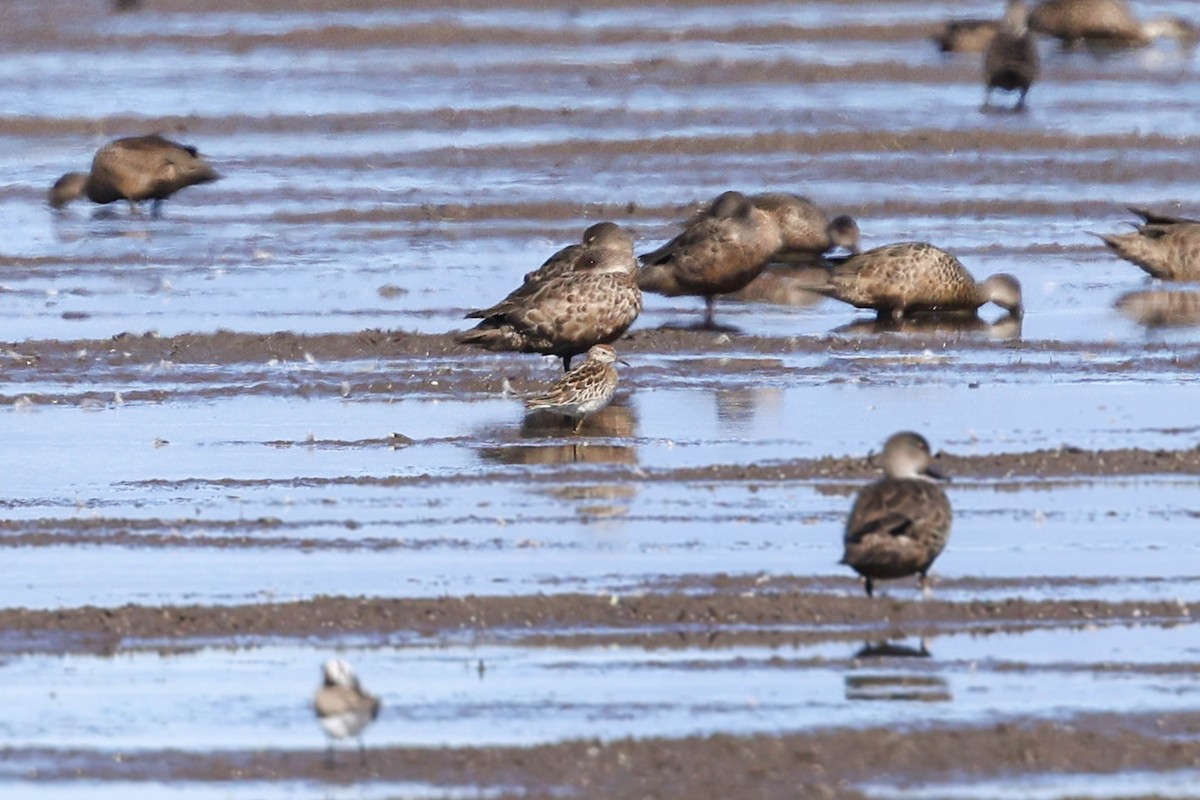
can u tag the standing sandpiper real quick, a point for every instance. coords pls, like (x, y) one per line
(342, 707)
(584, 390)
(900, 523)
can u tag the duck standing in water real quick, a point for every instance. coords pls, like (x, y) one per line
(1010, 63)
(136, 168)
(900, 523)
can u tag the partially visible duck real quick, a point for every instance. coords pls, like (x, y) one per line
(720, 250)
(1011, 61)
(135, 168)
(1105, 22)
(966, 35)
(1166, 247)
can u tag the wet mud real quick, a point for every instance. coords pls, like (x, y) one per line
(243, 438)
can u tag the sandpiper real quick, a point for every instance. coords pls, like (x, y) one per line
(135, 168)
(900, 523)
(1010, 63)
(916, 278)
(1166, 247)
(593, 302)
(1106, 23)
(342, 707)
(584, 390)
(720, 250)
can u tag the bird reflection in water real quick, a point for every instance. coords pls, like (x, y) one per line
(1159, 308)
(896, 685)
(1007, 327)
(555, 443)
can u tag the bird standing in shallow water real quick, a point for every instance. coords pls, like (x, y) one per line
(592, 300)
(907, 278)
(1010, 63)
(900, 523)
(135, 169)
(720, 250)
(343, 708)
(584, 390)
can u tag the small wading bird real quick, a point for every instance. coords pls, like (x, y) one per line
(910, 278)
(584, 390)
(1010, 63)
(342, 707)
(900, 523)
(1105, 23)
(135, 169)
(579, 300)
(1166, 247)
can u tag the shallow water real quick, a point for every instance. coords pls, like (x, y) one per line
(393, 167)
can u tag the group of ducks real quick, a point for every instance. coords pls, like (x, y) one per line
(1010, 53)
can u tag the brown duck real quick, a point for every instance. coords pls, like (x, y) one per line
(966, 35)
(1166, 247)
(1106, 23)
(720, 250)
(899, 524)
(805, 229)
(916, 278)
(135, 169)
(564, 315)
(1010, 63)
(603, 236)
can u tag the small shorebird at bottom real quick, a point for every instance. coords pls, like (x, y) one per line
(584, 390)
(343, 708)
(900, 523)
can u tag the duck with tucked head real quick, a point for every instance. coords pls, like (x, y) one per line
(1011, 61)
(136, 168)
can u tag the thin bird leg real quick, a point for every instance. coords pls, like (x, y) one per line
(566, 363)
(578, 424)
(710, 307)
(156, 209)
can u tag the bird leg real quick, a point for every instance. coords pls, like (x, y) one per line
(710, 306)
(156, 209)
(869, 585)
(566, 363)
(362, 752)
(578, 424)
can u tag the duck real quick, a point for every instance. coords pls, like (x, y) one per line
(565, 314)
(1105, 22)
(1166, 247)
(342, 706)
(135, 168)
(603, 236)
(966, 35)
(1010, 62)
(910, 278)
(899, 524)
(720, 250)
(806, 230)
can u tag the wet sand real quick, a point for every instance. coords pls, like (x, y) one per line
(242, 438)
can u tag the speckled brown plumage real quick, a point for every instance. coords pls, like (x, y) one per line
(900, 524)
(584, 390)
(564, 315)
(1104, 22)
(608, 237)
(1166, 247)
(135, 169)
(1010, 63)
(914, 278)
(720, 250)
(966, 35)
